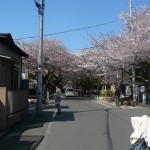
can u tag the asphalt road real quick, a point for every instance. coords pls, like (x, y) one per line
(90, 125)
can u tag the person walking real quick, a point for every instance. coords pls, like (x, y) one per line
(58, 99)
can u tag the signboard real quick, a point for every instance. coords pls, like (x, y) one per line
(127, 90)
(142, 88)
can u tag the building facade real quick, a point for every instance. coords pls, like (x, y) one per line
(13, 98)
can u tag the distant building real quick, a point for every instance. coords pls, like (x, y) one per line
(108, 84)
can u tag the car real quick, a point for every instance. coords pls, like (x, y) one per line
(69, 92)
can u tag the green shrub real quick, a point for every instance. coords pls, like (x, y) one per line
(106, 93)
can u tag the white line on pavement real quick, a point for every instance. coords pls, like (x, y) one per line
(103, 104)
(44, 141)
(122, 106)
(54, 114)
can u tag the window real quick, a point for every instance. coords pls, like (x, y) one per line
(15, 73)
(70, 90)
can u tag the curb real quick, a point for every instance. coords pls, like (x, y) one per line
(121, 106)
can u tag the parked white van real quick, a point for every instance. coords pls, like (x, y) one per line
(69, 92)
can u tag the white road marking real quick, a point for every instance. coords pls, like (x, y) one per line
(47, 133)
(103, 104)
(54, 114)
(122, 107)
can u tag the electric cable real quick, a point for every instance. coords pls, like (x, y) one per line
(71, 30)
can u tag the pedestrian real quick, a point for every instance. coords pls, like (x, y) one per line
(58, 99)
(78, 92)
(121, 97)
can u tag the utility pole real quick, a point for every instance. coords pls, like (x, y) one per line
(133, 66)
(40, 5)
(117, 99)
(131, 23)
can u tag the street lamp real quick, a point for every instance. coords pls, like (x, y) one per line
(40, 5)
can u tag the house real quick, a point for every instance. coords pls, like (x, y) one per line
(13, 97)
(108, 84)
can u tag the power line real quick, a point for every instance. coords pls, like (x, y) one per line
(71, 30)
(142, 13)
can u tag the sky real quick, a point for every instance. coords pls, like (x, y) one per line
(21, 19)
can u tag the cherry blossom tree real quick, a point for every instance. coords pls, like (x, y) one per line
(128, 49)
(87, 70)
(56, 60)
(112, 53)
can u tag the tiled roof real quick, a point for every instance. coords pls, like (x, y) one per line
(107, 81)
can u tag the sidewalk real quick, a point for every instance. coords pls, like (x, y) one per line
(28, 133)
(113, 103)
